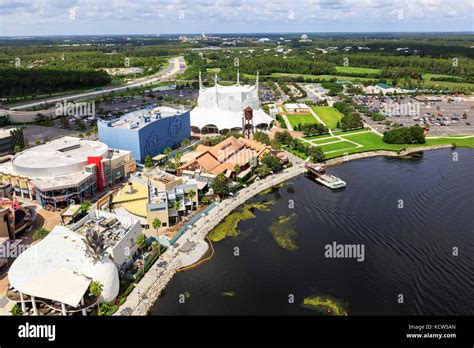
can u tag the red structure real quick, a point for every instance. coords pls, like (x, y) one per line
(247, 122)
(97, 160)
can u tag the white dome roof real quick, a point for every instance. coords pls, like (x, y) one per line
(105, 272)
(57, 268)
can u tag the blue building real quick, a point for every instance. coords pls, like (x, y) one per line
(146, 132)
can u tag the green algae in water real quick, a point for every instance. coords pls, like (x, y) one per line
(325, 304)
(271, 190)
(228, 227)
(283, 231)
(229, 293)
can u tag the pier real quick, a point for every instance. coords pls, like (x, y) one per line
(320, 176)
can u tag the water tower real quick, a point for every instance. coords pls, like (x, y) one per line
(247, 122)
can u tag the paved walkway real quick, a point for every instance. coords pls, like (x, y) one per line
(288, 123)
(147, 291)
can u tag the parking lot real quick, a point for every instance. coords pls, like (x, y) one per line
(32, 133)
(443, 115)
(125, 104)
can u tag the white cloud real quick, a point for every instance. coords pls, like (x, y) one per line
(143, 16)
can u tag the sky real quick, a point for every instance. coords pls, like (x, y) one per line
(105, 17)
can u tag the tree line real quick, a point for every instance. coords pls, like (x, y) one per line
(15, 82)
(351, 118)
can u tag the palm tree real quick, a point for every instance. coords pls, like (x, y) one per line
(167, 151)
(85, 207)
(16, 310)
(141, 241)
(156, 223)
(40, 233)
(191, 195)
(177, 159)
(237, 169)
(177, 205)
(95, 289)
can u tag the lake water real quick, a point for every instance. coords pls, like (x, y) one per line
(410, 216)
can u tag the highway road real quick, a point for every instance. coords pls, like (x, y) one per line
(176, 66)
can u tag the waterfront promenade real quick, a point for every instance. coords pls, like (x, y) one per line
(146, 292)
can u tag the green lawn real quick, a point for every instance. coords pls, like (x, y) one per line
(372, 142)
(341, 145)
(324, 141)
(315, 137)
(468, 142)
(428, 77)
(330, 115)
(320, 77)
(350, 132)
(296, 119)
(427, 83)
(356, 70)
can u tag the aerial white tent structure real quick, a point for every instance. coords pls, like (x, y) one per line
(220, 108)
(58, 269)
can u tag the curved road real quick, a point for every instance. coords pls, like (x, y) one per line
(176, 66)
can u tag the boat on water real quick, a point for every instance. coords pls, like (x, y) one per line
(327, 180)
(330, 181)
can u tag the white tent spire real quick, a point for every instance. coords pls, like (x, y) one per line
(238, 76)
(200, 80)
(217, 93)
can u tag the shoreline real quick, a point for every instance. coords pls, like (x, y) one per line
(382, 153)
(155, 280)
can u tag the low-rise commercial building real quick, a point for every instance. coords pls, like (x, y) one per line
(66, 170)
(225, 157)
(146, 132)
(58, 270)
(159, 195)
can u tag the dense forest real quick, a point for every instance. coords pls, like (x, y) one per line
(438, 61)
(392, 66)
(18, 82)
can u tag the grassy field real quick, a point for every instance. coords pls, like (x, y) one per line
(427, 83)
(356, 70)
(370, 141)
(341, 145)
(428, 77)
(315, 137)
(296, 119)
(330, 115)
(323, 141)
(373, 142)
(320, 77)
(350, 132)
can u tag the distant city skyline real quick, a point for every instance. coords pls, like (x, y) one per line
(122, 17)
